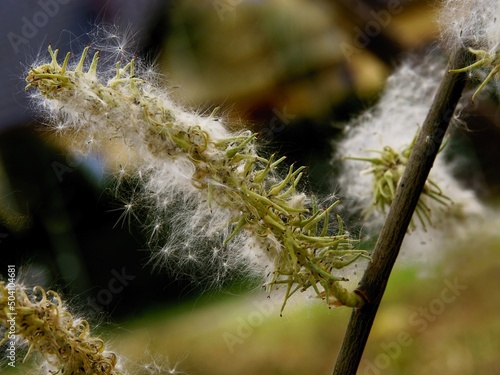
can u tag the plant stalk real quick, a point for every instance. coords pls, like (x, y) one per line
(375, 278)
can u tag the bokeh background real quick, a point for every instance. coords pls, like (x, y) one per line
(294, 71)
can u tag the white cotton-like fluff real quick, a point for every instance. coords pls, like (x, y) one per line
(493, 26)
(473, 25)
(214, 205)
(394, 121)
(470, 23)
(180, 216)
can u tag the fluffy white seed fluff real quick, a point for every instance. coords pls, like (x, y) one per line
(474, 25)
(393, 122)
(214, 204)
(180, 215)
(470, 23)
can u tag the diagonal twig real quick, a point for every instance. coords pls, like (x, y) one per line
(374, 281)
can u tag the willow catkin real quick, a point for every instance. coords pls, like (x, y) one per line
(236, 208)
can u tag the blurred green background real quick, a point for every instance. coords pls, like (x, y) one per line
(284, 69)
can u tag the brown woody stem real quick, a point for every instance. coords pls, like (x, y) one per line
(374, 281)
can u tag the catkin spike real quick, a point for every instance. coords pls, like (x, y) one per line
(219, 172)
(48, 328)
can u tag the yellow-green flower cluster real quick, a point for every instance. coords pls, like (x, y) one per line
(47, 327)
(387, 170)
(489, 60)
(473, 24)
(259, 214)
